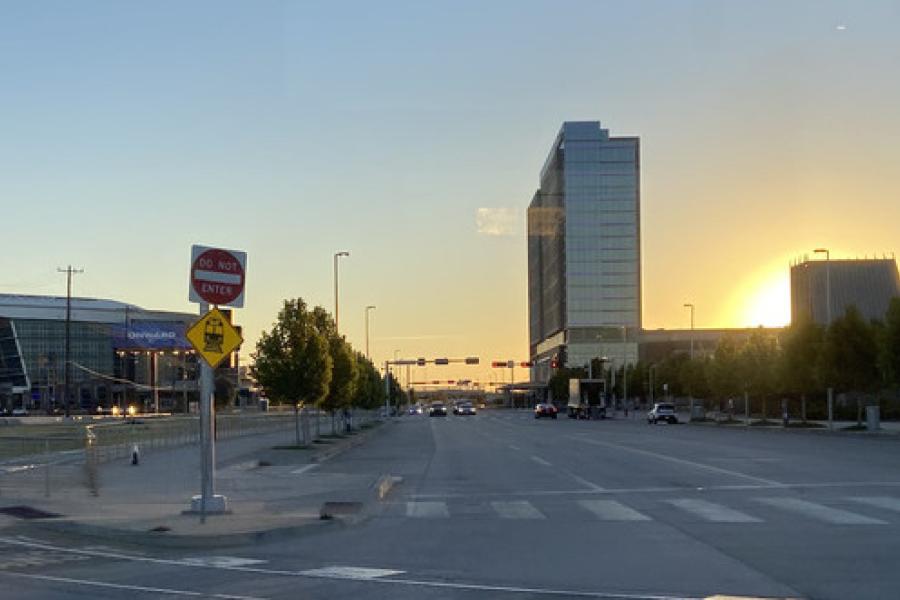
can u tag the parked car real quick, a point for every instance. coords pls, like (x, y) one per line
(437, 410)
(20, 412)
(545, 409)
(662, 411)
(464, 409)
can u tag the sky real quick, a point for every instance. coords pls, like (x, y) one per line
(411, 134)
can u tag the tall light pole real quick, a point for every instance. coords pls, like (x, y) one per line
(368, 308)
(69, 271)
(691, 306)
(336, 256)
(827, 282)
(624, 368)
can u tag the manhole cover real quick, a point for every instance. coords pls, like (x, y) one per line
(27, 512)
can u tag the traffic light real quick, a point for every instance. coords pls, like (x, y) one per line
(498, 364)
(420, 362)
(525, 365)
(442, 361)
(472, 360)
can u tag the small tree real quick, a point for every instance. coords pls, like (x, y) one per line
(849, 358)
(801, 345)
(890, 345)
(757, 361)
(292, 362)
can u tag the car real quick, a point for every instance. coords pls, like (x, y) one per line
(545, 409)
(19, 412)
(437, 410)
(464, 409)
(662, 411)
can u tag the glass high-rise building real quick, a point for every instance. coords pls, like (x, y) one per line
(584, 250)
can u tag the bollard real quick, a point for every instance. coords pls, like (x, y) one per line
(135, 455)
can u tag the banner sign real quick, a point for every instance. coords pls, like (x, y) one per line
(150, 336)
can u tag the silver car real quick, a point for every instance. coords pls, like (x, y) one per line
(662, 411)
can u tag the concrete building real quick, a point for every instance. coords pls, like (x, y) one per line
(868, 284)
(119, 353)
(584, 250)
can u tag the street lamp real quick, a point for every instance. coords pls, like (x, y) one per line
(336, 256)
(368, 308)
(691, 306)
(827, 281)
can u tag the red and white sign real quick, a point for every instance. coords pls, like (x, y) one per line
(217, 276)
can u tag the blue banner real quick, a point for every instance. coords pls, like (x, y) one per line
(160, 335)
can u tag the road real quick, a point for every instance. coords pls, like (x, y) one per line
(502, 505)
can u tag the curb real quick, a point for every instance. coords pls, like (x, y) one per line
(329, 453)
(150, 539)
(881, 432)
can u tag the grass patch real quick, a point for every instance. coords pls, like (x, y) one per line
(331, 436)
(855, 428)
(763, 423)
(807, 425)
(730, 422)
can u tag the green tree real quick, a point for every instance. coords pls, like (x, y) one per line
(724, 378)
(849, 359)
(801, 345)
(757, 363)
(369, 390)
(343, 366)
(292, 363)
(890, 344)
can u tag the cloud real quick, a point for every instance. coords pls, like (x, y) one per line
(496, 221)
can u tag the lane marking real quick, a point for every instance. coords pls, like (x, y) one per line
(516, 448)
(222, 561)
(427, 510)
(820, 512)
(517, 509)
(304, 469)
(408, 582)
(711, 511)
(610, 510)
(541, 461)
(122, 586)
(592, 487)
(680, 461)
(654, 490)
(880, 502)
(354, 573)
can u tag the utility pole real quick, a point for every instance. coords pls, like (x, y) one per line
(69, 271)
(337, 255)
(368, 308)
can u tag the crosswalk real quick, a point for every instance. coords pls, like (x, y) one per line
(866, 510)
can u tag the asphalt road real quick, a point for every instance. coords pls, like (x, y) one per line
(501, 505)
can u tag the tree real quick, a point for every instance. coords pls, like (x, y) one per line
(724, 378)
(343, 366)
(292, 362)
(890, 344)
(369, 390)
(757, 361)
(849, 359)
(801, 345)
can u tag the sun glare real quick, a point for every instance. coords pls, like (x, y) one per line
(769, 302)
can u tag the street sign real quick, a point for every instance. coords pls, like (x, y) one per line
(217, 276)
(213, 337)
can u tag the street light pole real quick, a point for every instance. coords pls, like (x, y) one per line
(68, 371)
(691, 306)
(624, 368)
(336, 256)
(368, 308)
(827, 282)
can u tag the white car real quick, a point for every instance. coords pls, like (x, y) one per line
(19, 412)
(662, 411)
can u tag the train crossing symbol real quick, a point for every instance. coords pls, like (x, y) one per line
(214, 337)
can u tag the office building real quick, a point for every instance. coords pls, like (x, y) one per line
(584, 251)
(868, 284)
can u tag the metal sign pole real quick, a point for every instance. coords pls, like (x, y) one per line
(207, 449)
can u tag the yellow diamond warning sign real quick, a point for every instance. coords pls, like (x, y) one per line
(214, 337)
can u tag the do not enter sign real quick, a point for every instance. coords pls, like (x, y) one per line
(217, 276)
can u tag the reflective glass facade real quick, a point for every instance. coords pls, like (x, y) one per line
(584, 244)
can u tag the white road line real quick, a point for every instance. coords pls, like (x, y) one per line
(679, 461)
(408, 582)
(885, 502)
(304, 469)
(355, 573)
(541, 461)
(130, 588)
(517, 509)
(819, 512)
(610, 510)
(222, 561)
(427, 510)
(712, 512)
(516, 448)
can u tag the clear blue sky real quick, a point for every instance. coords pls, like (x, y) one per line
(292, 130)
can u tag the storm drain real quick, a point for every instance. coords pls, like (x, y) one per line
(27, 512)
(332, 510)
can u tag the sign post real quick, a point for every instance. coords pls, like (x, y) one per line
(216, 278)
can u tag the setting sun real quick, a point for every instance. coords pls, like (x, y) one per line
(767, 303)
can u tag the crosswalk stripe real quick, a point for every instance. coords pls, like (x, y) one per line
(427, 510)
(610, 510)
(880, 502)
(517, 509)
(713, 512)
(820, 512)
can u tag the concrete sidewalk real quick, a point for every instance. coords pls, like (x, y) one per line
(270, 492)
